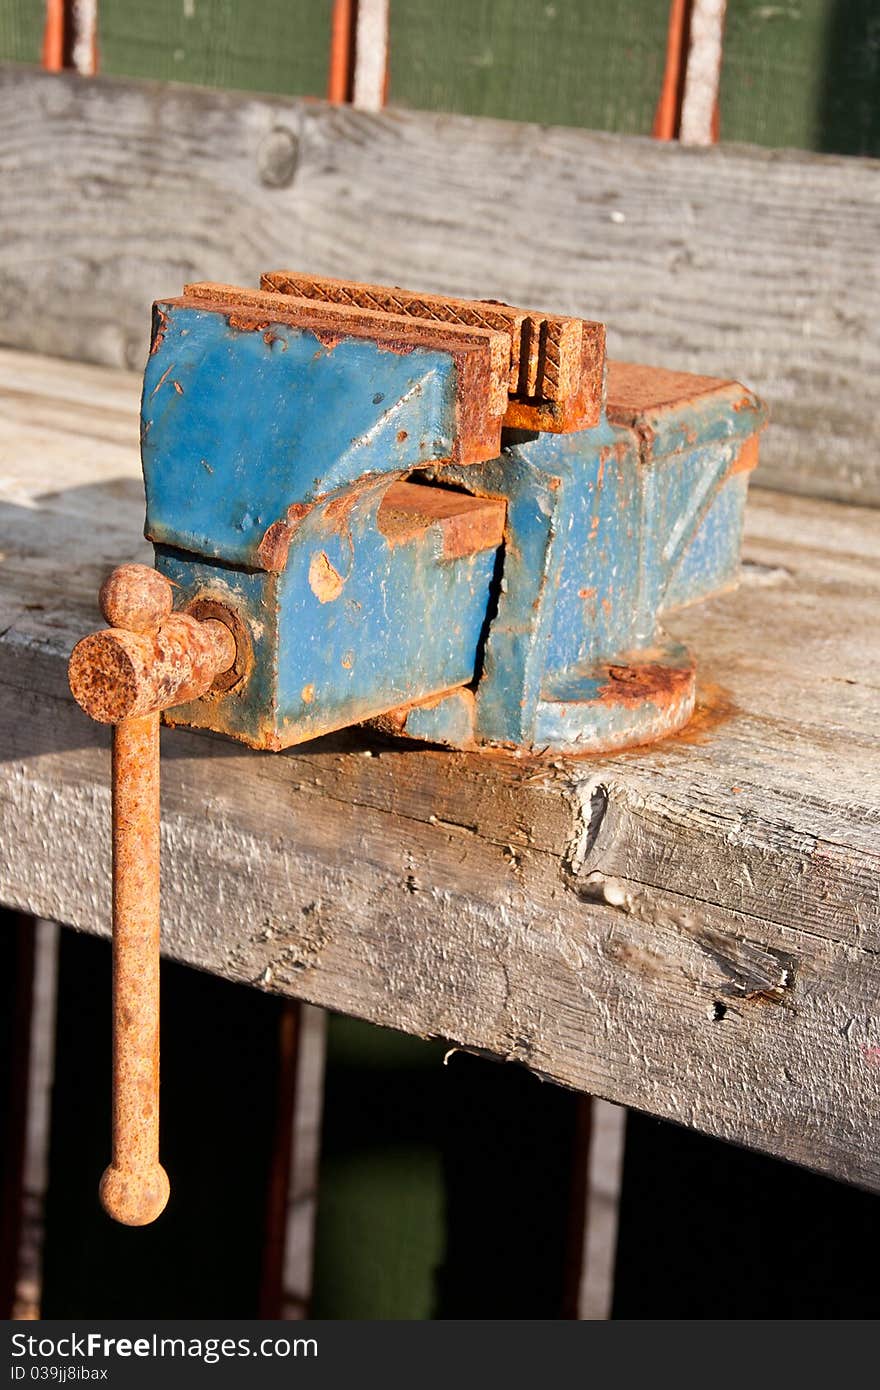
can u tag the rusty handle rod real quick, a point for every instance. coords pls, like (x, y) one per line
(150, 659)
(135, 1187)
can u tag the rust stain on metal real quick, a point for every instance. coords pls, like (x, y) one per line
(297, 512)
(135, 597)
(633, 685)
(328, 341)
(393, 721)
(325, 581)
(467, 524)
(546, 371)
(160, 323)
(337, 512)
(461, 313)
(634, 390)
(747, 458)
(164, 377)
(714, 707)
(207, 609)
(273, 549)
(553, 365)
(481, 354)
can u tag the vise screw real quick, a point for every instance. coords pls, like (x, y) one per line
(453, 518)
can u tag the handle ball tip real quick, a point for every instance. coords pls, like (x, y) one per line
(134, 1197)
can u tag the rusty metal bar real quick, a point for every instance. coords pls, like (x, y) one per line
(150, 659)
(668, 114)
(134, 1188)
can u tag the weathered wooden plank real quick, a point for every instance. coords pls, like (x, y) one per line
(739, 262)
(690, 929)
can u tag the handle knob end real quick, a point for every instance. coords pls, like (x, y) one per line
(136, 598)
(134, 1197)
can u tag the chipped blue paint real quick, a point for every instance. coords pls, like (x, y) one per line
(237, 424)
(347, 631)
(406, 622)
(606, 532)
(449, 720)
(709, 563)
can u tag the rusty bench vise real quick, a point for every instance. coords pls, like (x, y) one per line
(450, 516)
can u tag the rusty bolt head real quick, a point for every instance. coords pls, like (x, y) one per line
(136, 597)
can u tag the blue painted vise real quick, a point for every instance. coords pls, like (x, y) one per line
(450, 516)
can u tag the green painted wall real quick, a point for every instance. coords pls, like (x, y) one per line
(445, 1191)
(804, 74)
(21, 30)
(798, 73)
(255, 45)
(380, 1232)
(598, 63)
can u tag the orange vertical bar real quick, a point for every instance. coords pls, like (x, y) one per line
(134, 1188)
(668, 113)
(340, 75)
(54, 35)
